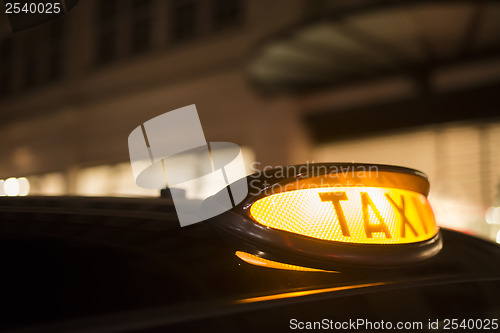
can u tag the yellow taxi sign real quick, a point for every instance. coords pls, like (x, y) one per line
(329, 214)
(359, 214)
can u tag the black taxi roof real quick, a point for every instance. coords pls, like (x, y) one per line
(123, 263)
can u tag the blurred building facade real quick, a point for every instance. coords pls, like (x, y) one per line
(72, 90)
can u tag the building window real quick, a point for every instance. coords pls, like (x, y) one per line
(107, 21)
(106, 46)
(140, 40)
(31, 72)
(183, 20)
(56, 50)
(5, 66)
(226, 13)
(55, 68)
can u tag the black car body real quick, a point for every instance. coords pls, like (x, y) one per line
(124, 264)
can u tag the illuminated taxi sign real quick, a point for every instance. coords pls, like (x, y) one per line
(361, 215)
(330, 214)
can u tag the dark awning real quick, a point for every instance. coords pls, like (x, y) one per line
(378, 39)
